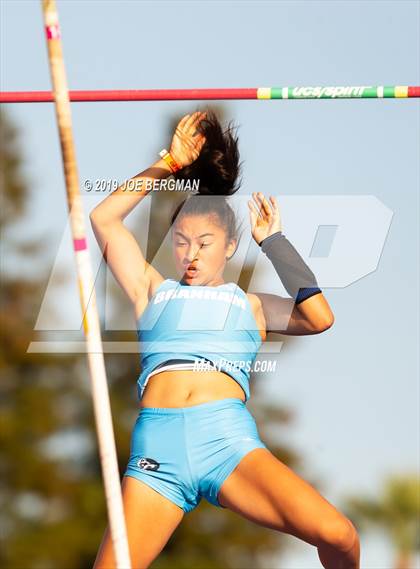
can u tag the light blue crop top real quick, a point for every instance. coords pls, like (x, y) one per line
(198, 323)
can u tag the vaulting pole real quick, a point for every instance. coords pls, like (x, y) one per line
(91, 324)
(386, 92)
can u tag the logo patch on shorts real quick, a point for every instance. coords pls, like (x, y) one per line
(148, 464)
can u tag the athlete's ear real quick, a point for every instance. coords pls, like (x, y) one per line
(231, 248)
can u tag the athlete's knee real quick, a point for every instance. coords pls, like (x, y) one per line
(339, 534)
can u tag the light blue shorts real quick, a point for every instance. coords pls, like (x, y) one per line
(185, 453)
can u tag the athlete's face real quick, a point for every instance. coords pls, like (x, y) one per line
(200, 249)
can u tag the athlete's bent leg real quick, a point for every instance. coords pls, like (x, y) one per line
(150, 519)
(264, 490)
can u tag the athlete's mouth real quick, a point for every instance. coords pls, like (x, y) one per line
(190, 270)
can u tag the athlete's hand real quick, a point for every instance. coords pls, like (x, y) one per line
(264, 216)
(186, 143)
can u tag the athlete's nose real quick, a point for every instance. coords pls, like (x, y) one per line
(191, 254)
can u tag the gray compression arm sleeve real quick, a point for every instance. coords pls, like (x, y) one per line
(296, 276)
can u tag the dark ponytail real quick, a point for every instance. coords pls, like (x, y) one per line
(217, 168)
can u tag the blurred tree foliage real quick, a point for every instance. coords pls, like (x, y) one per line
(47, 501)
(395, 512)
(52, 506)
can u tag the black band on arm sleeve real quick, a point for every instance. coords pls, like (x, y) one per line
(296, 276)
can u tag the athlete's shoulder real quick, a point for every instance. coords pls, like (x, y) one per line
(254, 300)
(159, 283)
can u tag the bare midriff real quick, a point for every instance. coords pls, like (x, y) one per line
(181, 388)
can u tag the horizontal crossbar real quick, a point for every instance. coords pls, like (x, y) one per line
(397, 92)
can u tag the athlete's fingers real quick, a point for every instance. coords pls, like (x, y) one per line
(182, 122)
(197, 121)
(253, 213)
(191, 122)
(179, 132)
(200, 116)
(184, 127)
(198, 137)
(200, 143)
(257, 203)
(252, 220)
(258, 199)
(275, 206)
(265, 204)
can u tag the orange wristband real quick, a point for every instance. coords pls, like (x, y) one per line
(170, 160)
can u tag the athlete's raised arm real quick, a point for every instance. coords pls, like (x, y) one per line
(307, 311)
(119, 246)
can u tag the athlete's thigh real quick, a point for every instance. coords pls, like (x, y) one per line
(150, 519)
(266, 491)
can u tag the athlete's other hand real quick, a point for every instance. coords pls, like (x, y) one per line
(264, 216)
(187, 142)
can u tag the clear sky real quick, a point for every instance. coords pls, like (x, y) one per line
(355, 388)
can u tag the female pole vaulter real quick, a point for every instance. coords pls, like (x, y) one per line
(194, 436)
